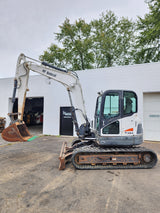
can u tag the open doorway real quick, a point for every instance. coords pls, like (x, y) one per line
(33, 114)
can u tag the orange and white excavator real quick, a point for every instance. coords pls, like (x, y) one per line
(114, 140)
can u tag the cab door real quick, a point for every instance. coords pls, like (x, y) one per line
(111, 114)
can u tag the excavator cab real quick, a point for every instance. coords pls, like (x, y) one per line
(113, 105)
(116, 119)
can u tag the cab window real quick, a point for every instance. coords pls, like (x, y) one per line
(98, 105)
(130, 103)
(112, 128)
(111, 105)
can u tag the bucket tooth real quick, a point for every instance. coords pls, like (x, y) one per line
(16, 132)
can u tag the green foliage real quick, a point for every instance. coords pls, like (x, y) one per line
(104, 34)
(148, 40)
(101, 43)
(77, 44)
(107, 41)
(125, 41)
(55, 55)
(113, 40)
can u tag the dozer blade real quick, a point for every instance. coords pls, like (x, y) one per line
(16, 132)
(65, 155)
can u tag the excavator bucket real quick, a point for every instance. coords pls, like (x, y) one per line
(16, 132)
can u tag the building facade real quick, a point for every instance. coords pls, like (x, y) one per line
(50, 98)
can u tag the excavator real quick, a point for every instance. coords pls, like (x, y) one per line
(112, 142)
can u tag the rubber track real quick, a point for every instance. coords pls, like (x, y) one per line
(94, 150)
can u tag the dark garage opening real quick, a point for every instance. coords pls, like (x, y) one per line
(33, 114)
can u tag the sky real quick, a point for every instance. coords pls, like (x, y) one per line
(28, 26)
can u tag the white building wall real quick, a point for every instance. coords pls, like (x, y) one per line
(140, 78)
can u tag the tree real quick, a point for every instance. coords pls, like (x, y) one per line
(55, 55)
(76, 40)
(113, 40)
(103, 42)
(148, 39)
(125, 41)
(104, 35)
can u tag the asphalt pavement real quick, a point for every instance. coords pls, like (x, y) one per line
(31, 182)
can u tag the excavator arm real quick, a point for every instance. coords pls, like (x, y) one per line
(18, 131)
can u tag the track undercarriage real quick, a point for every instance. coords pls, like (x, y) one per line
(89, 155)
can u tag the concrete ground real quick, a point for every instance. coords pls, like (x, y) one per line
(30, 182)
